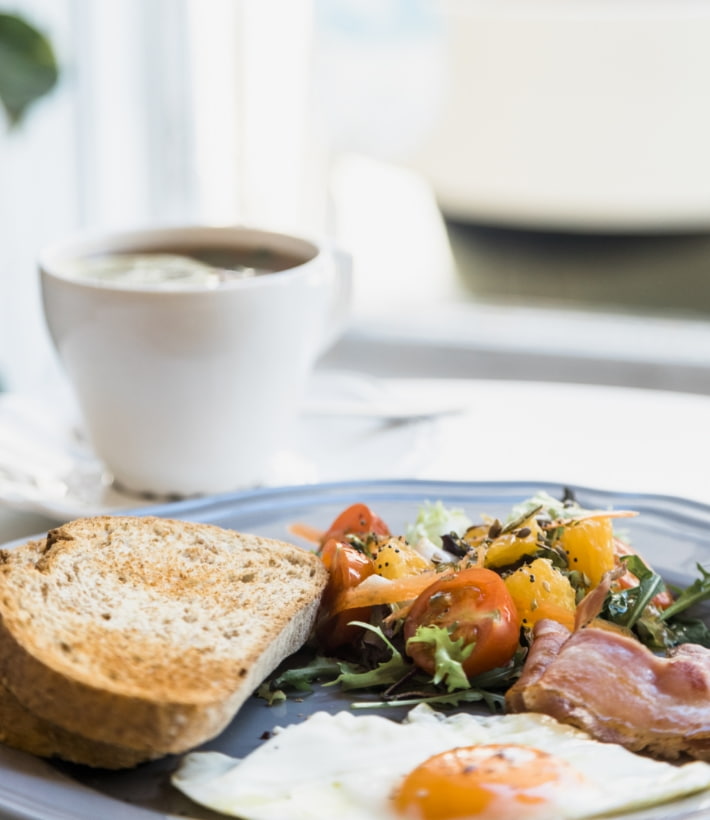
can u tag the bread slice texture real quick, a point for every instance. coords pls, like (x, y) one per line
(23, 730)
(148, 634)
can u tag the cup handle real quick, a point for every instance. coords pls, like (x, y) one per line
(341, 298)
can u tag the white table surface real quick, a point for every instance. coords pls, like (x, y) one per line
(583, 429)
(611, 438)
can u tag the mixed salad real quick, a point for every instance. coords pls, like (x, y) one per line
(444, 612)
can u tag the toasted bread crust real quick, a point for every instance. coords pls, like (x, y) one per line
(23, 730)
(148, 634)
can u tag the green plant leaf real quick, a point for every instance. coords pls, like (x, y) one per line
(449, 655)
(28, 68)
(301, 678)
(698, 591)
(385, 673)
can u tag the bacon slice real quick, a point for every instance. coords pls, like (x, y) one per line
(549, 636)
(617, 690)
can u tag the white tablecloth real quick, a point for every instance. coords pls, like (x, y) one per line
(603, 437)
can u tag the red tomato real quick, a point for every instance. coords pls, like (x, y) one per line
(346, 568)
(474, 604)
(357, 519)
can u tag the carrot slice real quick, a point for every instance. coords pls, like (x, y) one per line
(306, 531)
(396, 591)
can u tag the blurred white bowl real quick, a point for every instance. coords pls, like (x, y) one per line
(586, 115)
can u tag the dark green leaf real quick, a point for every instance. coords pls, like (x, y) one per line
(691, 630)
(385, 674)
(653, 633)
(28, 68)
(628, 607)
(502, 676)
(300, 678)
(698, 591)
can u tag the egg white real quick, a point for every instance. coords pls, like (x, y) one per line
(347, 766)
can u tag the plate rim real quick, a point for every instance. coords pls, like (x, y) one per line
(261, 497)
(32, 788)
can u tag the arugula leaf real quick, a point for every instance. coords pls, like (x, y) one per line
(698, 591)
(495, 702)
(449, 655)
(650, 584)
(658, 630)
(629, 607)
(690, 630)
(300, 678)
(501, 677)
(384, 674)
(655, 634)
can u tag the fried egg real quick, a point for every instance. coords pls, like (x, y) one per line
(433, 767)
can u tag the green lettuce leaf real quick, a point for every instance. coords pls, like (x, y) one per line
(434, 520)
(449, 655)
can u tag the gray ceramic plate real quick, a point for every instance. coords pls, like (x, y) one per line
(672, 534)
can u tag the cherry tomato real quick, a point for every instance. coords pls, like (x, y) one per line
(346, 568)
(357, 519)
(474, 604)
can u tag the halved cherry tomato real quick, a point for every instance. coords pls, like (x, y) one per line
(474, 604)
(346, 569)
(357, 519)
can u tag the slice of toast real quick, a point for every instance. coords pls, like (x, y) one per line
(148, 634)
(23, 730)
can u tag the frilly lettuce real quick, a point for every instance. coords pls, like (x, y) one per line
(449, 655)
(434, 520)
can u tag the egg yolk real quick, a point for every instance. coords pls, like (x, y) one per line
(486, 782)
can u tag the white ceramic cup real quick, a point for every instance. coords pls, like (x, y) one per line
(194, 390)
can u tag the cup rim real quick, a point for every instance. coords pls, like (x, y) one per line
(163, 238)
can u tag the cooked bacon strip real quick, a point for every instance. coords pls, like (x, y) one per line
(610, 685)
(549, 637)
(591, 605)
